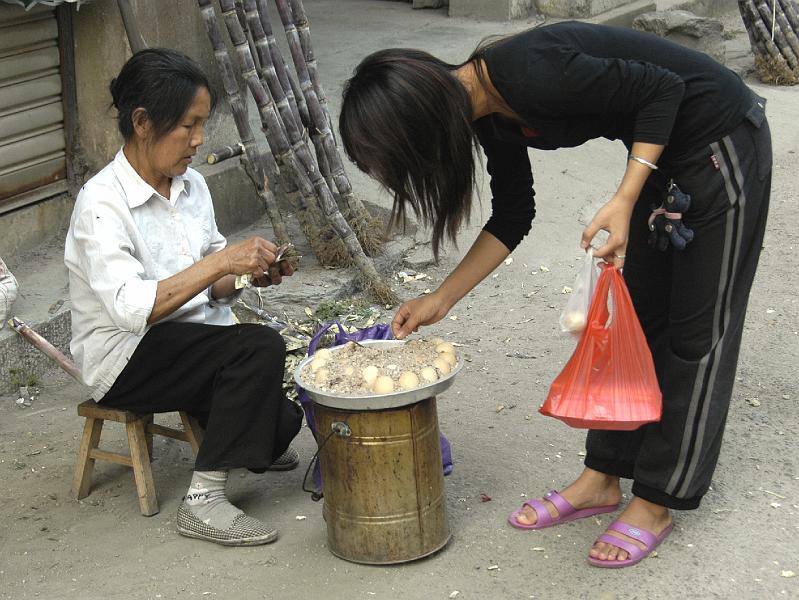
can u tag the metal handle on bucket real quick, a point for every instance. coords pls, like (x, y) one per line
(338, 428)
(341, 429)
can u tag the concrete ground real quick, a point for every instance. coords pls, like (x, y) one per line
(740, 544)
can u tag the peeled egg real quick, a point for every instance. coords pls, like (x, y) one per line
(449, 357)
(383, 385)
(429, 374)
(408, 380)
(442, 366)
(323, 353)
(322, 375)
(318, 363)
(370, 373)
(574, 321)
(445, 347)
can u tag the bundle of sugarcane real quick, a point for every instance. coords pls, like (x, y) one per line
(295, 156)
(308, 105)
(773, 28)
(298, 34)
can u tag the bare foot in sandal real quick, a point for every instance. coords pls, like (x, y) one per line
(639, 516)
(591, 489)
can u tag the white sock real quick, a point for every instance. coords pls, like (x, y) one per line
(206, 499)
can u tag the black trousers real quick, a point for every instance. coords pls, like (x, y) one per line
(692, 304)
(229, 378)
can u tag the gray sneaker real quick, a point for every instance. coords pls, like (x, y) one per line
(245, 531)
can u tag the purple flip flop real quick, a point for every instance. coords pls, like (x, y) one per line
(649, 539)
(566, 512)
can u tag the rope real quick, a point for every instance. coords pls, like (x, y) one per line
(773, 18)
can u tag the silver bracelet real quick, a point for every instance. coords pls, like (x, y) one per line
(643, 161)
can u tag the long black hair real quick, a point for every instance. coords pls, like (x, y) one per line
(161, 81)
(406, 121)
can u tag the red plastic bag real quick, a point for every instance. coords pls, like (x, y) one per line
(609, 382)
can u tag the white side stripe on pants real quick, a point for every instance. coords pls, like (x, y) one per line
(691, 447)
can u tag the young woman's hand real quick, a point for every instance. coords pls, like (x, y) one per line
(424, 310)
(613, 217)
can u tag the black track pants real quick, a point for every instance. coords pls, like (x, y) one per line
(691, 305)
(230, 378)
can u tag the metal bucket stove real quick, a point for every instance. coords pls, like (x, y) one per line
(382, 476)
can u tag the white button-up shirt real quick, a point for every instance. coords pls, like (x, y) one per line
(124, 237)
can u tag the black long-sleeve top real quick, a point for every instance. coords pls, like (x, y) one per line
(572, 82)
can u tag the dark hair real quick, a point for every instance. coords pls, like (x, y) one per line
(161, 81)
(406, 121)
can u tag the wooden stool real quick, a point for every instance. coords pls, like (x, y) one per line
(140, 430)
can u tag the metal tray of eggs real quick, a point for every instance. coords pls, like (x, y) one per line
(374, 400)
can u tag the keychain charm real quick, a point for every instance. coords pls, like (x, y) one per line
(665, 222)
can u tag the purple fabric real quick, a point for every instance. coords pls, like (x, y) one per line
(380, 331)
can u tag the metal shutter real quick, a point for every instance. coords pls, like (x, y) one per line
(32, 143)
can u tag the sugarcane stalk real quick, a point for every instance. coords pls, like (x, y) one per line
(791, 10)
(296, 92)
(45, 347)
(243, 22)
(300, 20)
(296, 101)
(299, 158)
(790, 35)
(135, 38)
(368, 230)
(254, 157)
(754, 41)
(224, 153)
(771, 47)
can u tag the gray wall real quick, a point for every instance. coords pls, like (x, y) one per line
(101, 48)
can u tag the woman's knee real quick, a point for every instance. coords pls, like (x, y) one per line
(691, 348)
(263, 340)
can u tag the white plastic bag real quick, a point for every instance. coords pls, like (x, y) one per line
(575, 314)
(8, 292)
